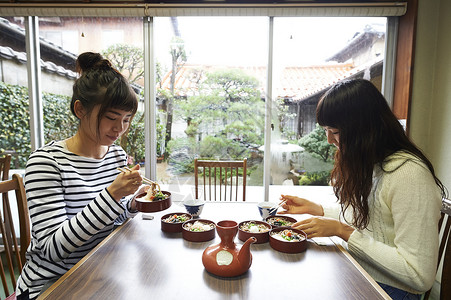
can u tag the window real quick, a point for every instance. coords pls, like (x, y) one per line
(14, 117)
(58, 70)
(311, 54)
(194, 56)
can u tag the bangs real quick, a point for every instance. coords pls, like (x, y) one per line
(326, 114)
(122, 97)
(334, 107)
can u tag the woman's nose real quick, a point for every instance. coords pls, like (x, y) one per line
(330, 138)
(118, 126)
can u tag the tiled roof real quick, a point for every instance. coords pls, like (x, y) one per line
(49, 67)
(17, 30)
(296, 83)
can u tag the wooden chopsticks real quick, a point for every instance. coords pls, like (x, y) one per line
(146, 180)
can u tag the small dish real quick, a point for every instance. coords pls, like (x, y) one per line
(143, 205)
(278, 220)
(253, 228)
(279, 243)
(194, 207)
(199, 236)
(173, 222)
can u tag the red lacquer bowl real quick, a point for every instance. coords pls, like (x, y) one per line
(287, 246)
(262, 237)
(199, 236)
(176, 226)
(152, 206)
(278, 221)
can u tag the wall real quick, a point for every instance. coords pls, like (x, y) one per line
(430, 119)
(16, 73)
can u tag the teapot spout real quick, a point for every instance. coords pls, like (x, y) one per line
(244, 256)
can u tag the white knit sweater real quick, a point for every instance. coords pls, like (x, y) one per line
(400, 245)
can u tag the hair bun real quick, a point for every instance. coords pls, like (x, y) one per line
(90, 60)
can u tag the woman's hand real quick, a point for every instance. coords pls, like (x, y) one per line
(296, 205)
(324, 227)
(126, 183)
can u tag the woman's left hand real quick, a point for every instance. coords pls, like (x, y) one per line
(142, 189)
(324, 227)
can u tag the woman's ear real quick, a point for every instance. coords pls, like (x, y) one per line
(79, 109)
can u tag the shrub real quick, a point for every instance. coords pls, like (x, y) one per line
(315, 178)
(316, 144)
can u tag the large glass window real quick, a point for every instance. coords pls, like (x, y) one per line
(14, 117)
(210, 94)
(118, 39)
(311, 54)
(212, 75)
(211, 82)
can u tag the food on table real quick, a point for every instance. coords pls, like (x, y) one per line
(288, 235)
(154, 193)
(176, 218)
(253, 227)
(198, 226)
(279, 221)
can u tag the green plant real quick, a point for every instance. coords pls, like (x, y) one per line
(315, 178)
(14, 122)
(127, 59)
(316, 144)
(59, 122)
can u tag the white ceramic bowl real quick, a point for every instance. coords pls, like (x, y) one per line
(194, 207)
(264, 208)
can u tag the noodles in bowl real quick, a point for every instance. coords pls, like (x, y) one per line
(258, 229)
(173, 222)
(277, 221)
(200, 230)
(288, 240)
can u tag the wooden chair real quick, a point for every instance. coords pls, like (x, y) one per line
(220, 179)
(444, 252)
(14, 255)
(5, 164)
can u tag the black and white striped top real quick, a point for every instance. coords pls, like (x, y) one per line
(70, 210)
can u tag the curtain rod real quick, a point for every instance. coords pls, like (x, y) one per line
(199, 5)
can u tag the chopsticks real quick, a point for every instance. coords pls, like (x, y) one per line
(276, 206)
(146, 180)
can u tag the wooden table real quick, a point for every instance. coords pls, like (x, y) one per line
(139, 261)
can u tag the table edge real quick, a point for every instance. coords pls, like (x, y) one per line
(365, 274)
(50, 290)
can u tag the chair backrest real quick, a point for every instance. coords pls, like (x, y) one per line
(5, 164)
(444, 251)
(220, 179)
(14, 255)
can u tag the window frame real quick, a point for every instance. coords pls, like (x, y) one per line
(400, 77)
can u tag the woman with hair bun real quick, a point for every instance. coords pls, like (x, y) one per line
(74, 191)
(388, 194)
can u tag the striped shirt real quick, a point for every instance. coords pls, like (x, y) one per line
(70, 209)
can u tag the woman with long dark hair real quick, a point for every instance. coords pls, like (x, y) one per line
(388, 194)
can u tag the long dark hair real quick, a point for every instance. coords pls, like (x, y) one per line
(369, 133)
(100, 84)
